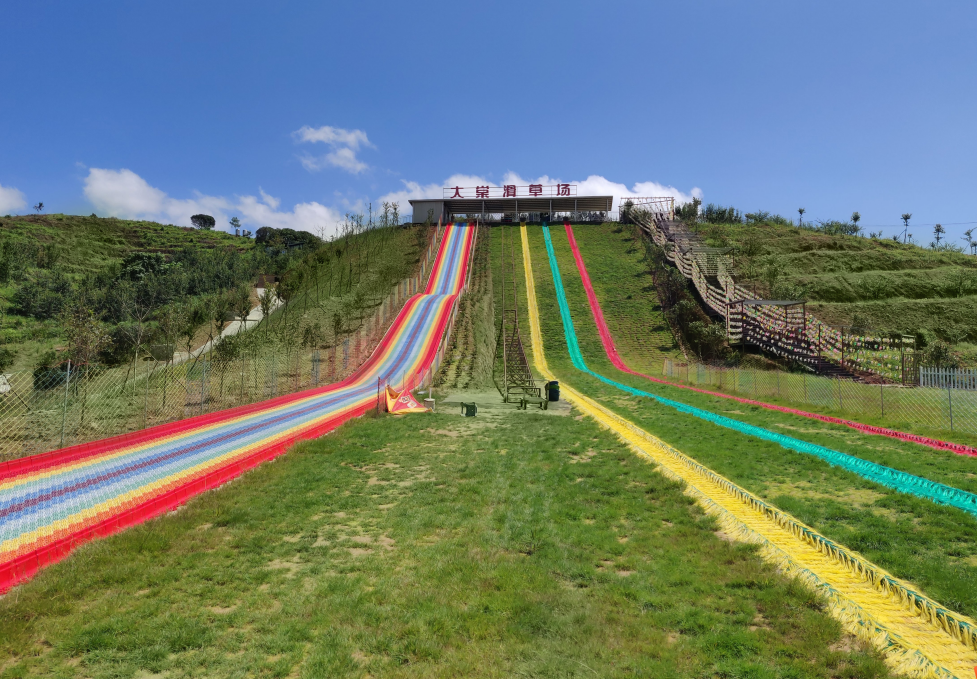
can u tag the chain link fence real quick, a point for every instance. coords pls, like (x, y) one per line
(52, 408)
(947, 409)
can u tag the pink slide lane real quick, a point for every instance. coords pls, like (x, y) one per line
(611, 350)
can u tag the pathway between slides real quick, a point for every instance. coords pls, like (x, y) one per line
(919, 636)
(50, 504)
(886, 476)
(615, 358)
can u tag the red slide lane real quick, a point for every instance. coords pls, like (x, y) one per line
(611, 350)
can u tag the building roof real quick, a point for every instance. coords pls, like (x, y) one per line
(499, 205)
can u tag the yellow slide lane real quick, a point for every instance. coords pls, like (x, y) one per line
(919, 637)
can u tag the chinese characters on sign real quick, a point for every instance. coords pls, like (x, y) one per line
(511, 191)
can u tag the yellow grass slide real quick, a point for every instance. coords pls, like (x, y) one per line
(920, 638)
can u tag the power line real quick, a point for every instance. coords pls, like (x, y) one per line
(902, 226)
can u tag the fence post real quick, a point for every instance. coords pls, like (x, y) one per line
(145, 412)
(64, 407)
(949, 399)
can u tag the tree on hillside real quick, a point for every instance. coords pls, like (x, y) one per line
(39, 207)
(938, 232)
(220, 308)
(192, 316)
(85, 334)
(241, 304)
(235, 224)
(906, 216)
(800, 218)
(969, 239)
(6, 359)
(266, 301)
(205, 222)
(855, 218)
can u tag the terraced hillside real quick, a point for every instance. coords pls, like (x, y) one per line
(867, 282)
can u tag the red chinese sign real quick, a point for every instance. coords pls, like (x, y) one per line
(512, 191)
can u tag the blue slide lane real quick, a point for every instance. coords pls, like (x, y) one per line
(886, 476)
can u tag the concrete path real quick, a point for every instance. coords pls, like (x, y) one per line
(232, 328)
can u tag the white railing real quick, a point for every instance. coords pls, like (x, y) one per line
(949, 378)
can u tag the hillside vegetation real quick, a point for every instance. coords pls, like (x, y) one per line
(870, 283)
(101, 292)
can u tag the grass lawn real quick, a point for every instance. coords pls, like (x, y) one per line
(432, 545)
(915, 539)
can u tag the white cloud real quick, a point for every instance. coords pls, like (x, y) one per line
(123, 193)
(345, 144)
(334, 136)
(11, 200)
(594, 185)
(270, 201)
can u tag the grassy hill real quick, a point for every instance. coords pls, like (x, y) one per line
(86, 244)
(57, 254)
(856, 281)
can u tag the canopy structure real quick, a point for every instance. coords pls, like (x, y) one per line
(509, 201)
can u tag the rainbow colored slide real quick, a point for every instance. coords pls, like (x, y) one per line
(51, 503)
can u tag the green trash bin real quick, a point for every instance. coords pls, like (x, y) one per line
(469, 409)
(553, 391)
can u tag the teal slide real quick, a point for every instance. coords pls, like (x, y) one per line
(886, 476)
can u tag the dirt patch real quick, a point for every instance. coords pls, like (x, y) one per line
(759, 622)
(624, 573)
(722, 535)
(583, 457)
(222, 610)
(359, 551)
(442, 432)
(846, 644)
(292, 567)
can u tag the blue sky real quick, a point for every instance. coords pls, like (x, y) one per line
(160, 109)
